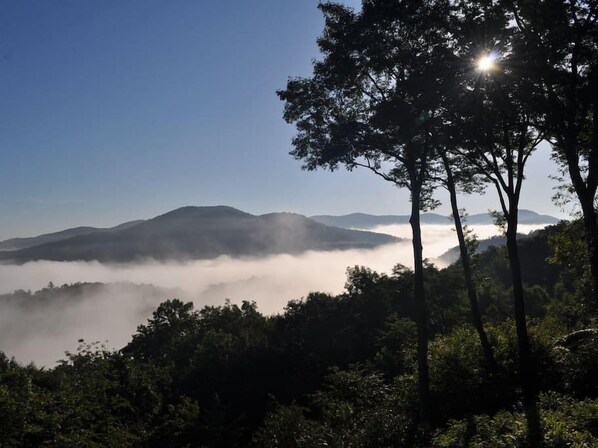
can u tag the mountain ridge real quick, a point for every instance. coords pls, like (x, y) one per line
(367, 221)
(202, 233)
(25, 242)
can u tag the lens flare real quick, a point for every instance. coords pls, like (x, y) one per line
(486, 62)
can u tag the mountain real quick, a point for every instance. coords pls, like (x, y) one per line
(534, 251)
(23, 243)
(201, 233)
(453, 254)
(525, 217)
(365, 221)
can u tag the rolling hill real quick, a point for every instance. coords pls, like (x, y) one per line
(23, 243)
(365, 221)
(201, 233)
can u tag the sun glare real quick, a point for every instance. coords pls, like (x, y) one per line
(486, 63)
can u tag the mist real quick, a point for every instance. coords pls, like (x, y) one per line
(111, 313)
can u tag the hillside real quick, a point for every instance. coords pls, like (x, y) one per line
(453, 254)
(23, 243)
(326, 369)
(202, 233)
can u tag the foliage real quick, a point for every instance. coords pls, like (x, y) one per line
(577, 360)
(566, 422)
(394, 92)
(339, 370)
(354, 408)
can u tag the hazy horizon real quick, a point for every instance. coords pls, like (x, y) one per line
(106, 120)
(442, 211)
(113, 314)
(116, 111)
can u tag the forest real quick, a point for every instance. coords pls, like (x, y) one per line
(331, 370)
(498, 349)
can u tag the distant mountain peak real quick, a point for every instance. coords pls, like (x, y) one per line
(366, 221)
(198, 211)
(23, 243)
(202, 233)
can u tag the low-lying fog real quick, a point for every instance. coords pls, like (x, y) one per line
(112, 313)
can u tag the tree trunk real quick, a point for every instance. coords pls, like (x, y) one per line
(526, 367)
(591, 232)
(466, 264)
(423, 374)
(585, 191)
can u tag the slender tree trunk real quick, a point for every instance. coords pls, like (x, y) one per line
(519, 306)
(526, 368)
(466, 264)
(423, 374)
(587, 201)
(585, 192)
(591, 232)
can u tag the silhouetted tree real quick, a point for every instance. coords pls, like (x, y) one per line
(373, 102)
(556, 49)
(458, 172)
(501, 137)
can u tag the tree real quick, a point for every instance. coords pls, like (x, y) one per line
(165, 333)
(500, 136)
(458, 172)
(373, 102)
(556, 48)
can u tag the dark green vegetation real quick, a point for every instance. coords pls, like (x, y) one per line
(330, 371)
(456, 95)
(497, 351)
(452, 255)
(197, 233)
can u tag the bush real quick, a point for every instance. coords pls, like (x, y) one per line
(565, 422)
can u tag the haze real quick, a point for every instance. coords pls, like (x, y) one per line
(113, 313)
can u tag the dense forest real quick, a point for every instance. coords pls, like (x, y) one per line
(499, 349)
(331, 370)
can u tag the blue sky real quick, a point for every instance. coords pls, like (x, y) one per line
(114, 110)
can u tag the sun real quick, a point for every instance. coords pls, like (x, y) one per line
(486, 62)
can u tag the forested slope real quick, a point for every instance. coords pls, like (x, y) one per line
(329, 371)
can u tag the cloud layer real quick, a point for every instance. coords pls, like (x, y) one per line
(112, 313)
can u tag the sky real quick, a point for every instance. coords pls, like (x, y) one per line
(117, 110)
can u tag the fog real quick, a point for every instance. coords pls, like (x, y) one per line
(111, 313)
(439, 238)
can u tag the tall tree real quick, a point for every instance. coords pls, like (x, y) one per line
(373, 102)
(500, 136)
(459, 173)
(556, 48)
